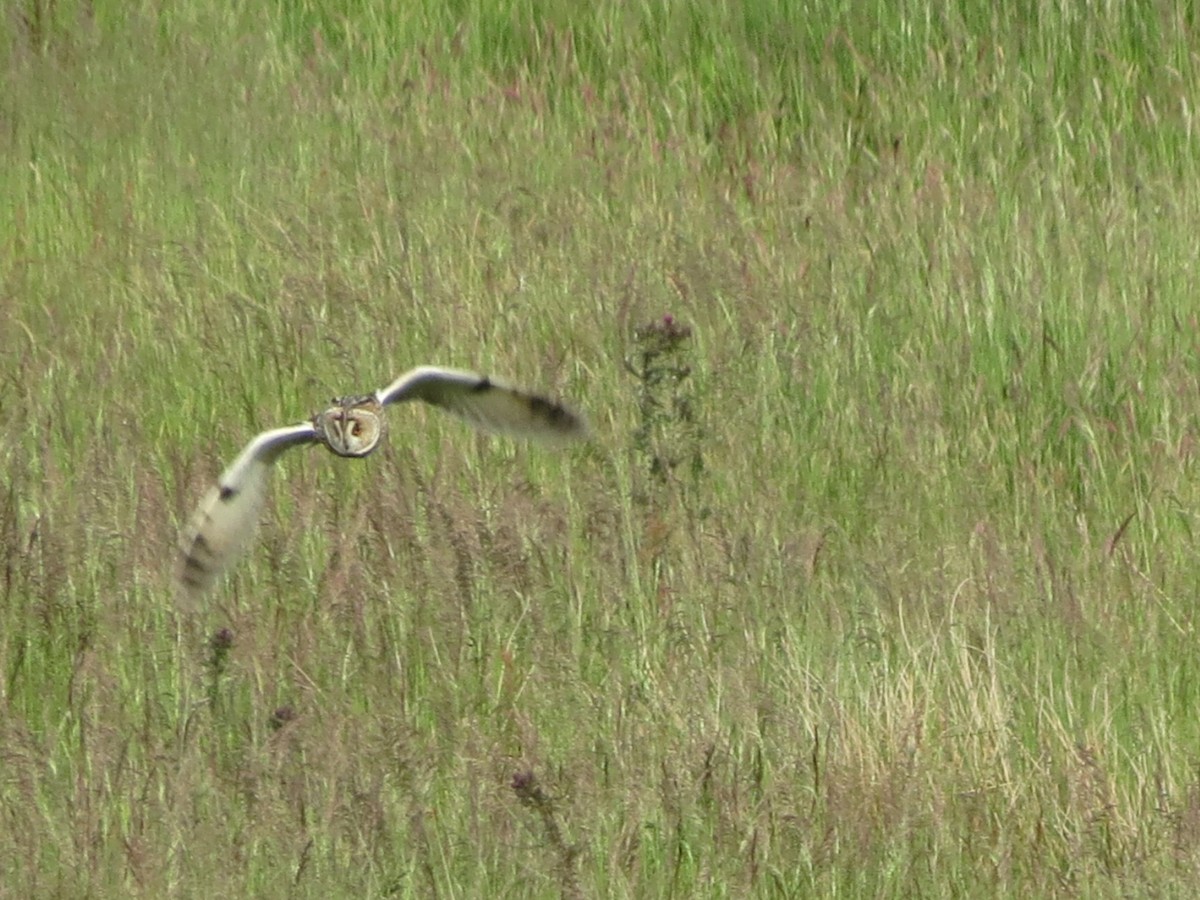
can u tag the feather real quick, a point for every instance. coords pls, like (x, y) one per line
(226, 519)
(487, 403)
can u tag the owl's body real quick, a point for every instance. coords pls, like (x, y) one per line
(225, 521)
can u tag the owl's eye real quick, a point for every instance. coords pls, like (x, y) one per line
(356, 429)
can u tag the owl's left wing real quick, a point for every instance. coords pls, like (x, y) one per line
(227, 517)
(487, 403)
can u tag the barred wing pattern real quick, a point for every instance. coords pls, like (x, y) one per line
(227, 518)
(486, 403)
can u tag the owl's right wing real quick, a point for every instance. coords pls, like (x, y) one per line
(223, 524)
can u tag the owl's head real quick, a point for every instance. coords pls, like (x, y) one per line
(352, 426)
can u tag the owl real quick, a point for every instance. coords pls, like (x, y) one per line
(225, 521)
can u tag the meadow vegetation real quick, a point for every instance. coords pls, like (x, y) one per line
(877, 579)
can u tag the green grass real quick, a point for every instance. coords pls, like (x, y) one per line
(879, 583)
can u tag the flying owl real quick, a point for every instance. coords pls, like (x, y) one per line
(226, 519)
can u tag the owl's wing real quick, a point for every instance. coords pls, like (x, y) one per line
(226, 519)
(487, 403)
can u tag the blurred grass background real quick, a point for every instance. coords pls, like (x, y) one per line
(877, 579)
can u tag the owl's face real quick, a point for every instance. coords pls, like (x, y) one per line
(353, 426)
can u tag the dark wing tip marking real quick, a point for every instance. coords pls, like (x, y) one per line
(548, 409)
(194, 564)
(200, 542)
(194, 574)
(554, 412)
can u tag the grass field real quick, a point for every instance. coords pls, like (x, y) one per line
(877, 579)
